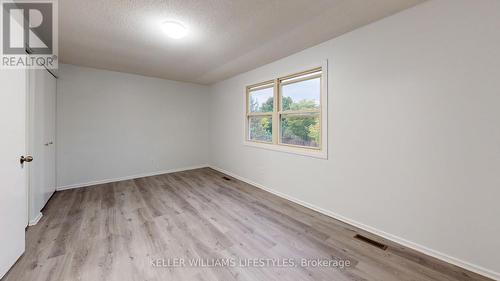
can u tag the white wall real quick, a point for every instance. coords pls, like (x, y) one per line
(414, 133)
(113, 125)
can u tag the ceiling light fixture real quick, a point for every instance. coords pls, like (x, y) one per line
(174, 29)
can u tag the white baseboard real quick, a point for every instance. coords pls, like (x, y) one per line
(35, 220)
(78, 185)
(417, 247)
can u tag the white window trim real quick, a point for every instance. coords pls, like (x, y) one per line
(322, 151)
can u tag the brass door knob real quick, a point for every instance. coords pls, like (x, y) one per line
(26, 159)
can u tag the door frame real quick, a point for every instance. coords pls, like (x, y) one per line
(29, 133)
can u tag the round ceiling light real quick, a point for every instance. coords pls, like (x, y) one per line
(174, 29)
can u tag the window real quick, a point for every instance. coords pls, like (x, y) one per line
(287, 113)
(260, 110)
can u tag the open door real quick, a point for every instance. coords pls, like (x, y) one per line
(13, 213)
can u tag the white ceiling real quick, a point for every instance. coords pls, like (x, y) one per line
(226, 37)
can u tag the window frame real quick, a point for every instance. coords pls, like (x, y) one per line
(276, 115)
(249, 114)
(282, 112)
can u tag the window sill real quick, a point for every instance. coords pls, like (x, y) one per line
(315, 153)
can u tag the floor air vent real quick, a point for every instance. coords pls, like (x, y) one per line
(226, 178)
(371, 242)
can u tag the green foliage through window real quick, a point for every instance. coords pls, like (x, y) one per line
(261, 128)
(300, 130)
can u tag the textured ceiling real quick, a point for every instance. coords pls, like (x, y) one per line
(226, 37)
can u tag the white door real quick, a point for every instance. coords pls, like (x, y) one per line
(42, 183)
(50, 135)
(12, 173)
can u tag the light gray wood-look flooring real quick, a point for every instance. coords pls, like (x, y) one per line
(114, 232)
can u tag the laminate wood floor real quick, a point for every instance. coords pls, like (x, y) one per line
(138, 229)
